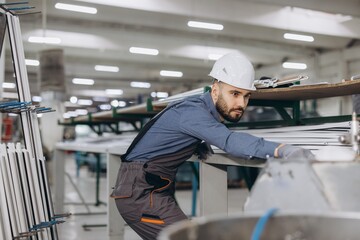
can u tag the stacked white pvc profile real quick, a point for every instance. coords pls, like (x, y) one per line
(20, 198)
(309, 136)
(317, 138)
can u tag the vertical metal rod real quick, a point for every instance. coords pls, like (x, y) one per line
(25, 186)
(1, 220)
(98, 170)
(35, 195)
(5, 211)
(195, 185)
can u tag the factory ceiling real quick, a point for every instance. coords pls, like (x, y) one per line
(255, 27)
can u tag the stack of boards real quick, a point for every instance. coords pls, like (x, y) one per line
(24, 197)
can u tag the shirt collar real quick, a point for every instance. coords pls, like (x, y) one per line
(210, 104)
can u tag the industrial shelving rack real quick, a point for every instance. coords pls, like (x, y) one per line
(280, 99)
(35, 212)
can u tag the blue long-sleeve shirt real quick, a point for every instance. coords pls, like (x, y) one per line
(193, 120)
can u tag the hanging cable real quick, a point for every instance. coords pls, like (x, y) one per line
(261, 223)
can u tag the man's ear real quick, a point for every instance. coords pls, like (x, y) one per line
(215, 91)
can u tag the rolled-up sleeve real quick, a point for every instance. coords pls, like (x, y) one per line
(199, 122)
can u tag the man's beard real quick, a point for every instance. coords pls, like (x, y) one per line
(224, 111)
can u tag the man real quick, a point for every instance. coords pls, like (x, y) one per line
(144, 189)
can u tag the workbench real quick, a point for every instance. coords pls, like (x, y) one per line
(213, 171)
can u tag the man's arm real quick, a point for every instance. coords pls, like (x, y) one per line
(292, 152)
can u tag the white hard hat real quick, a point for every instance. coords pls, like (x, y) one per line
(234, 69)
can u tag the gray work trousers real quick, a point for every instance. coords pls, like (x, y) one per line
(146, 207)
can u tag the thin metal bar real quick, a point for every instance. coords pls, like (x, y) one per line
(27, 13)
(33, 192)
(20, 8)
(5, 211)
(37, 196)
(79, 193)
(25, 185)
(8, 193)
(1, 221)
(98, 170)
(14, 3)
(296, 112)
(20, 207)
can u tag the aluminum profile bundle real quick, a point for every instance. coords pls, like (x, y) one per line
(23, 212)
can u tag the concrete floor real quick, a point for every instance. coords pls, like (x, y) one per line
(73, 228)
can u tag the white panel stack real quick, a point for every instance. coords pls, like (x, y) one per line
(22, 211)
(314, 137)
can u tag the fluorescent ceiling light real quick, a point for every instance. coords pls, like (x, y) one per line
(100, 99)
(167, 73)
(36, 99)
(146, 51)
(298, 37)
(46, 40)
(293, 65)
(81, 111)
(32, 62)
(114, 91)
(122, 103)
(103, 68)
(114, 103)
(75, 8)
(140, 84)
(70, 114)
(160, 94)
(86, 102)
(213, 56)
(212, 26)
(73, 99)
(83, 81)
(8, 85)
(105, 106)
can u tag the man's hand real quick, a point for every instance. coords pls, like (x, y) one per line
(292, 152)
(203, 150)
